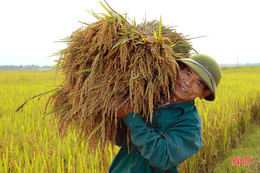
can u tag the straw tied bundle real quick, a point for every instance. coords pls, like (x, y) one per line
(110, 63)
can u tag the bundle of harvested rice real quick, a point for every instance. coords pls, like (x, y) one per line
(110, 63)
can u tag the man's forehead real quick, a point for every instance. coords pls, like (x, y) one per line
(189, 69)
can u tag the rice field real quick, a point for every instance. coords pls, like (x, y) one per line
(29, 141)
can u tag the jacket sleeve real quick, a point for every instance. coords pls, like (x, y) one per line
(165, 150)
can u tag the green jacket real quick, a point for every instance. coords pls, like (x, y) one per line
(172, 137)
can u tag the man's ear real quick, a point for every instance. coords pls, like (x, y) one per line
(205, 94)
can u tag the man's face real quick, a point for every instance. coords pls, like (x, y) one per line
(189, 86)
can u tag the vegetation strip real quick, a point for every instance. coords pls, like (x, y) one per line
(245, 158)
(30, 143)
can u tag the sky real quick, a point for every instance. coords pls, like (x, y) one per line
(30, 30)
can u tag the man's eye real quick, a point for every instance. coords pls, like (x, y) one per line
(197, 83)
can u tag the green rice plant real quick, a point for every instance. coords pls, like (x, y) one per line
(29, 140)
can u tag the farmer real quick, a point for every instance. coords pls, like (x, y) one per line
(175, 132)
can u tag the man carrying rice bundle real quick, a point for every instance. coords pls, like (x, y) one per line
(115, 73)
(175, 131)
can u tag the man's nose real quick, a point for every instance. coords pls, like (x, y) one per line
(188, 82)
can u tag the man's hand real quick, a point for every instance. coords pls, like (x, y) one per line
(123, 111)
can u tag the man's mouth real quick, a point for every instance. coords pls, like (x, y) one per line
(182, 88)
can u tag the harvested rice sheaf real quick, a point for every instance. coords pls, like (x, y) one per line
(110, 63)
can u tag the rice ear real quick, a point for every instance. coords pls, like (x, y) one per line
(108, 62)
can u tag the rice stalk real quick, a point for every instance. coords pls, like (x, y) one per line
(111, 62)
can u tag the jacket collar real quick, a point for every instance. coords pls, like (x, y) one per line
(186, 106)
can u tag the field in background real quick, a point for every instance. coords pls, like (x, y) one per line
(248, 148)
(29, 141)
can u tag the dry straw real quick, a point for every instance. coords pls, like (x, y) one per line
(110, 63)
